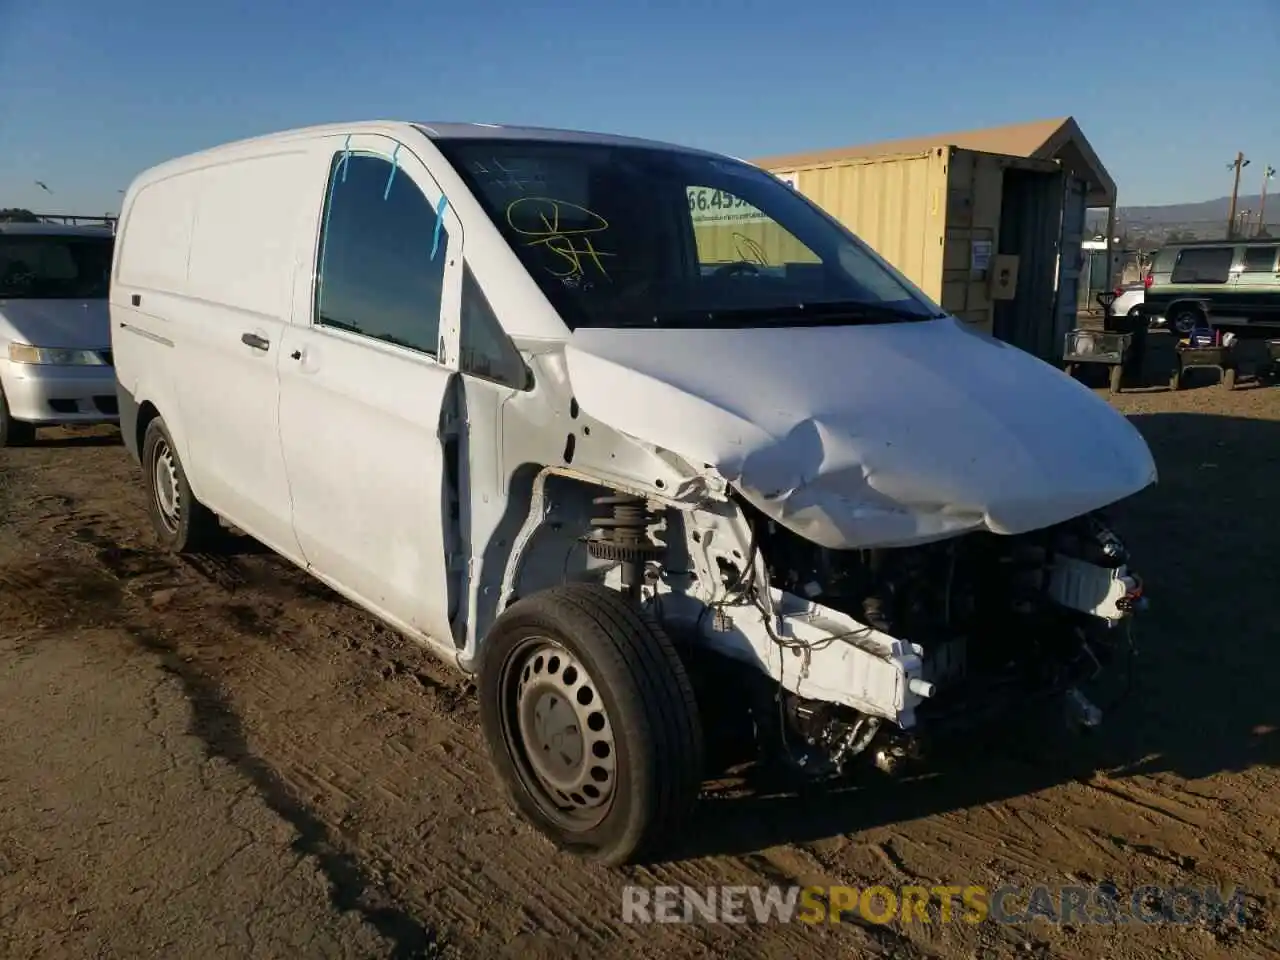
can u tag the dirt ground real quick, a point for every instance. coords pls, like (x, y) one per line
(217, 757)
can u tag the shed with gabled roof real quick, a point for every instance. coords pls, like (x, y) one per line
(988, 223)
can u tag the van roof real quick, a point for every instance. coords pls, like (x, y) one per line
(55, 229)
(433, 131)
(496, 131)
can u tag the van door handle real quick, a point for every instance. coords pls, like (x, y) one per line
(255, 341)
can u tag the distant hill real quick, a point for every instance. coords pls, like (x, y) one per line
(1205, 211)
(1142, 227)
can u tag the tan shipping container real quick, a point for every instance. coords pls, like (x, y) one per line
(936, 215)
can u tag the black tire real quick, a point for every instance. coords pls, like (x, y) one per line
(1182, 320)
(14, 433)
(183, 524)
(585, 637)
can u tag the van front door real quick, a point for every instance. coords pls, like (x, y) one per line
(362, 387)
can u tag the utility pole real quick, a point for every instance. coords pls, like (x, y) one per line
(1238, 164)
(1267, 174)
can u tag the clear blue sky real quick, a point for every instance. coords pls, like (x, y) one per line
(93, 91)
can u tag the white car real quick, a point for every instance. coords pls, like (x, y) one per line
(1129, 301)
(55, 343)
(535, 399)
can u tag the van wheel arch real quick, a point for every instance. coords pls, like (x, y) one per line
(146, 413)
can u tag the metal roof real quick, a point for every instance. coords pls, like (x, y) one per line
(1059, 138)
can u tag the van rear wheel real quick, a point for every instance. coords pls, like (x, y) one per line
(1185, 319)
(591, 722)
(182, 523)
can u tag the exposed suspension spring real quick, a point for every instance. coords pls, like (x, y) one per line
(623, 536)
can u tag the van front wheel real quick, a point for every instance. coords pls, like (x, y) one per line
(182, 523)
(591, 722)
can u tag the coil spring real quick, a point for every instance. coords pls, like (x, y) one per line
(623, 534)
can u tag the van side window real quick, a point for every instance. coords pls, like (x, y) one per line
(1260, 259)
(376, 274)
(1203, 265)
(486, 351)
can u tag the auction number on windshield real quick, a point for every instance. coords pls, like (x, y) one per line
(704, 199)
(709, 205)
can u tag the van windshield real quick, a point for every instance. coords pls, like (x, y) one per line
(54, 267)
(626, 236)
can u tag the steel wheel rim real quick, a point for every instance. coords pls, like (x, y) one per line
(168, 495)
(559, 733)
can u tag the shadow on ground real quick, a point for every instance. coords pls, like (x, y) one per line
(1205, 697)
(71, 437)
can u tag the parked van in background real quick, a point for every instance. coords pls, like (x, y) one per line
(1237, 281)
(535, 399)
(55, 353)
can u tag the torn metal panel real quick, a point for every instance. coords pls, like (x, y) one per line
(878, 435)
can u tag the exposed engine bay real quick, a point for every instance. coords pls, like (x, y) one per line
(861, 650)
(998, 619)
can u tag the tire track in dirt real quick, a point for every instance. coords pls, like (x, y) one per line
(121, 570)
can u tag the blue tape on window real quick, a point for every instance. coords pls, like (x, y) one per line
(435, 240)
(395, 165)
(346, 155)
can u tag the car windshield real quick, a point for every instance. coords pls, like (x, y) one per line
(625, 236)
(54, 266)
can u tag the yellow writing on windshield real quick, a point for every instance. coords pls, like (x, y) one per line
(565, 229)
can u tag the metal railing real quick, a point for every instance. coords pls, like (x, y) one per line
(77, 220)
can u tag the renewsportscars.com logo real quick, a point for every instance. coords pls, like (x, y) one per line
(1103, 904)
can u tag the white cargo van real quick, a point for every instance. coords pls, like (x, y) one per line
(616, 425)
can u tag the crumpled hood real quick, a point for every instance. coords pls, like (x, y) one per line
(74, 324)
(868, 436)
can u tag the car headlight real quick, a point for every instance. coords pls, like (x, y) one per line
(60, 356)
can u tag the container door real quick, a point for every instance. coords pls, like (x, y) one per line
(1029, 228)
(1069, 255)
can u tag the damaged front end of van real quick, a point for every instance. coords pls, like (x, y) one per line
(894, 527)
(752, 462)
